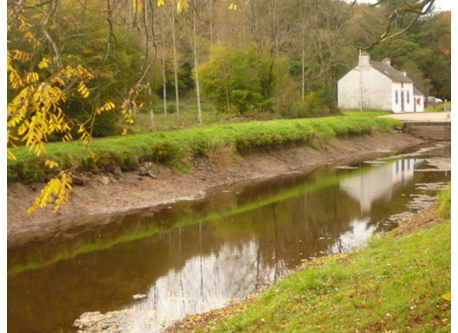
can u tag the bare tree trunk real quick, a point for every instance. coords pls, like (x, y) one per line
(164, 76)
(175, 65)
(196, 67)
(151, 111)
(303, 73)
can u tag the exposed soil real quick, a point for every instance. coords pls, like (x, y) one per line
(110, 193)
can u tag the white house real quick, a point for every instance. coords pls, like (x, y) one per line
(375, 85)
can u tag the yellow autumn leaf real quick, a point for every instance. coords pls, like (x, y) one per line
(51, 164)
(44, 64)
(447, 296)
(11, 156)
(137, 5)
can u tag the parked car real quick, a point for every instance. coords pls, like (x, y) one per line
(432, 99)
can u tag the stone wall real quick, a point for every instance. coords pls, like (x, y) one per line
(437, 131)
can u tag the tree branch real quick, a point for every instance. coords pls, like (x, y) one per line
(409, 8)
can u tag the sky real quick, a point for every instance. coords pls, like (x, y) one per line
(444, 4)
(441, 4)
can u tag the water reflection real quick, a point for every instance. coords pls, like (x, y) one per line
(358, 234)
(263, 232)
(205, 282)
(380, 182)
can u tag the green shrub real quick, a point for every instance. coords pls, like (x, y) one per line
(444, 202)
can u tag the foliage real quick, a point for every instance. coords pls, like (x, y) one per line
(444, 202)
(63, 71)
(393, 284)
(241, 80)
(314, 104)
(424, 52)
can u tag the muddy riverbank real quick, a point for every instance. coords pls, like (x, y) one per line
(111, 193)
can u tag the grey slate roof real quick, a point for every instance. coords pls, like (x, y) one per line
(390, 72)
(417, 92)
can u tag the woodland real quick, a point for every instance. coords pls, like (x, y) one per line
(81, 69)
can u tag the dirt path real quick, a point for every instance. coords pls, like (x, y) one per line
(107, 193)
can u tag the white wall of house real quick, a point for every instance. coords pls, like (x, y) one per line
(364, 88)
(403, 93)
(419, 104)
(376, 93)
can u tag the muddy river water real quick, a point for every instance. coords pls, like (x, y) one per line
(139, 271)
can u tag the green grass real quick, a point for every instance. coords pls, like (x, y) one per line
(392, 285)
(444, 204)
(434, 110)
(365, 113)
(178, 147)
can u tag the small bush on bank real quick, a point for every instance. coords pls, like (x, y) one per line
(444, 202)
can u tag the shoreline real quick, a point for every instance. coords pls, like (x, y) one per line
(107, 194)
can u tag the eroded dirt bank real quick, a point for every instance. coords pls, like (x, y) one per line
(107, 193)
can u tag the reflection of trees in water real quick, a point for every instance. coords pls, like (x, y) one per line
(290, 230)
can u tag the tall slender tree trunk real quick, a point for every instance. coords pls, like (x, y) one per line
(303, 71)
(175, 65)
(196, 67)
(164, 76)
(151, 110)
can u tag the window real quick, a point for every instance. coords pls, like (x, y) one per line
(396, 97)
(408, 96)
(402, 84)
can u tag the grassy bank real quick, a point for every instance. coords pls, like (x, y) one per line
(177, 148)
(393, 285)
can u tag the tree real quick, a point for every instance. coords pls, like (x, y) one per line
(50, 79)
(34, 112)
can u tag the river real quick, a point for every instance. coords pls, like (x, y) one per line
(141, 270)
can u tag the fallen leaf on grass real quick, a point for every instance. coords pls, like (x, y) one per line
(447, 296)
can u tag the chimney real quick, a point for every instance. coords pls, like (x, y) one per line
(364, 59)
(387, 61)
(403, 73)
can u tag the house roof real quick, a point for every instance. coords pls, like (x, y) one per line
(390, 72)
(417, 92)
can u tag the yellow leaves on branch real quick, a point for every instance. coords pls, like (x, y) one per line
(128, 116)
(56, 189)
(106, 107)
(184, 4)
(137, 6)
(82, 89)
(35, 113)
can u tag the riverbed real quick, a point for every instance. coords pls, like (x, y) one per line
(140, 270)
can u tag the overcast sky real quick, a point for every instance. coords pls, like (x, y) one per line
(442, 4)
